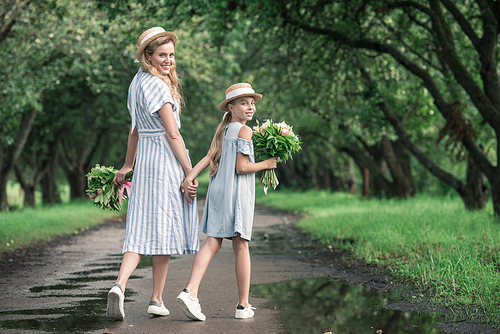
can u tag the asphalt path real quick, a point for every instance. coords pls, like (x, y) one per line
(41, 284)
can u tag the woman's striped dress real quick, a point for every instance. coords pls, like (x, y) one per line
(159, 220)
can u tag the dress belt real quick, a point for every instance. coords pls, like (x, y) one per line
(151, 133)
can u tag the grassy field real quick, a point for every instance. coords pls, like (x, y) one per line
(433, 242)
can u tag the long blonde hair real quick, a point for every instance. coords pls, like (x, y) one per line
(216, 146)
(171, 78)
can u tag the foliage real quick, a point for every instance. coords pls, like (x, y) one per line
(103, 191)
(273, 139)
(299, 54)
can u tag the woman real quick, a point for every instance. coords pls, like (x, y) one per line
(160, 221)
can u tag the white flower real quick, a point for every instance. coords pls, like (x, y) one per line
(265, 125)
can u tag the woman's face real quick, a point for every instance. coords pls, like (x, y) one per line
(163, 58)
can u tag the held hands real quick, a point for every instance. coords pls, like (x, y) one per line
(119, 178)
(189, 188)
(271, 163)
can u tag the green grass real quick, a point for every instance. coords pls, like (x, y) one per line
(21, 228)
(432, 242)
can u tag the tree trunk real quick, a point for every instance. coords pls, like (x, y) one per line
(477, 192)
(366, 182)
(14, 151)
(27, 186)
(50, 194)
(399, 166)
(351, 182)
(76, 179)
(495, 196)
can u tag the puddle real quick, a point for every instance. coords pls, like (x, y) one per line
(84, 315)
(80, 317)
(320, 305)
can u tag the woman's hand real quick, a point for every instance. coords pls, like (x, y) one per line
(189, 188)
(119, 178)
(271, 163)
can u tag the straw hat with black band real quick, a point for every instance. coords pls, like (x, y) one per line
(148, 36)
(236, 91)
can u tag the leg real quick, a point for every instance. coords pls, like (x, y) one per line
(129, 263)
(187, 299)
(243, 268)
(160, 269)
(201, 262)
(115, 295)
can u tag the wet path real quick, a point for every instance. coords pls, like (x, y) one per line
(65, 291)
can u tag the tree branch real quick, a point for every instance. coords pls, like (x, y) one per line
(9, 19)
(464, 24)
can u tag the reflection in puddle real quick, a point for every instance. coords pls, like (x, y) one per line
(80, 316)
(320, 305)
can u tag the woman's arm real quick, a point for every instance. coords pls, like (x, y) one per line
(133, 138)
(174, 137)
(243, 166)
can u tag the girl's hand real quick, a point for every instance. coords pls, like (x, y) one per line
(189, 187)
(271, 163)
(119, 178)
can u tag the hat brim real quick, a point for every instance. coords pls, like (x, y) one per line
(141, 48)
(223, 104)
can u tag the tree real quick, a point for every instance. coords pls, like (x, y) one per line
(452, 47)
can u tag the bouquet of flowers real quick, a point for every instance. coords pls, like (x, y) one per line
(274, 140)
(103, 191)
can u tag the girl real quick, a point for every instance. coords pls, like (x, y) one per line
(229, 205)
(160, 221)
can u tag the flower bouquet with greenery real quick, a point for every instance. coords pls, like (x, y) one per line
(274, 140)
(103, 191)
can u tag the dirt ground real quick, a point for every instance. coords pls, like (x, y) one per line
(335, 262)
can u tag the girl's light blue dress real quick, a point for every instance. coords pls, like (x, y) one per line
(159, 220)
(230, 201)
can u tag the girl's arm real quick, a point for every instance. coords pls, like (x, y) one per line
(243, 166)
(190, 180)
(174, 137)
(133, 138)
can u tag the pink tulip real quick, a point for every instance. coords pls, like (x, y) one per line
(99, 192)
(284, 132)
(92, 196)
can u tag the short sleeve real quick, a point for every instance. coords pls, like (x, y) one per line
(244, 146)
(156, 94)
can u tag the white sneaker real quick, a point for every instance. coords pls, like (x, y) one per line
(244, 312)
(156, 309)
(115, 303)
(190, 306)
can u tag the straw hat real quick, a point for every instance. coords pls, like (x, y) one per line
(236, 91)
(149, 35)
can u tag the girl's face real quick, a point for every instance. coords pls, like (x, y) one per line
(163, 58)
(242, 109)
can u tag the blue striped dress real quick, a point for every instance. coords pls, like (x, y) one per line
(159, 220)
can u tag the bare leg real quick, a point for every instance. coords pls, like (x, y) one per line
(116, 295)
(129, 263)
(201, 262)
(160, 269)
(243, 268)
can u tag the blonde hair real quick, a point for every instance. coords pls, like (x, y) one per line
(171, 78)
(216, 146)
